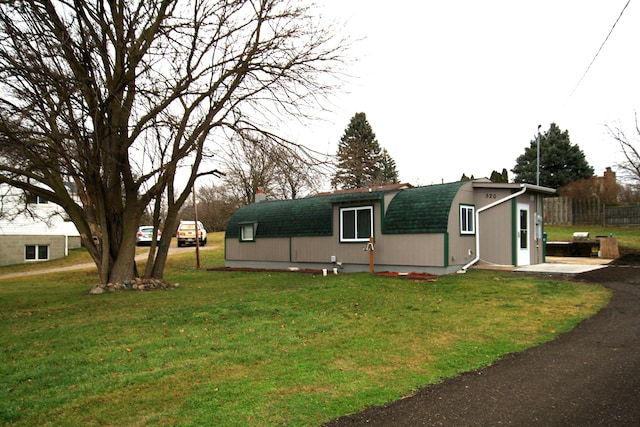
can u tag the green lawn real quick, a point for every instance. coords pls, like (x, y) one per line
(259, 349)
(628, 237)
(81, 256)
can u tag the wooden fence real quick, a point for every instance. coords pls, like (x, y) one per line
(566, 211)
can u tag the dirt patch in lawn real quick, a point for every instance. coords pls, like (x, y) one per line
(410, 276)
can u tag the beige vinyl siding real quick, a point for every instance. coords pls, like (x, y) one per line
(313, 249)
(461, 247)
(411, 249)
(401, 249)
(495, 226)
(264, 249)
(496, 235)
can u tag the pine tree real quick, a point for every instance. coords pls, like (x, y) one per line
(388, 171)
(499, 177)
(560, 161)
(361, 161)
(505, 175)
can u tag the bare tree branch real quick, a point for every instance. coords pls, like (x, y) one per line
(119, 97)
(630, 149)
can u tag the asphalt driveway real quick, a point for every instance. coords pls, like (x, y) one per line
(589, 376)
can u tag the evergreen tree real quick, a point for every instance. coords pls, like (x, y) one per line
(361, 161)
(499, 177)
(505, 175)
(388, 171)
(560, 161)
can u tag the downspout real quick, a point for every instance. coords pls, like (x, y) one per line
(482, 209)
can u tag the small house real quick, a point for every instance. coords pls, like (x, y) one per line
(435, 229)
(32, 229)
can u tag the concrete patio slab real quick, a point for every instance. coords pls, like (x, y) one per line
(553, 268)
(553, 265)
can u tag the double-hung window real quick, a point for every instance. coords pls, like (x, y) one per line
(356, 224)
(467, 219)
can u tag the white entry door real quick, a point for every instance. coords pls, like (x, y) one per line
(524, 252)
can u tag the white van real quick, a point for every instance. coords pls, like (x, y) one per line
(186, 233)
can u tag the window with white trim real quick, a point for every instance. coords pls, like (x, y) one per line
(36, 252)
(356, 224)
(247, 232)
(467, 219)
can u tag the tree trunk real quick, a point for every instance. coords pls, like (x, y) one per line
(165, 243)
(123, 253)
(124, 266)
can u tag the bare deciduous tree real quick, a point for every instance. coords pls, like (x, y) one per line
(298, 173)
(248, 167)
(256, 162)
(630, 148)
(216, 204)
(121, 98)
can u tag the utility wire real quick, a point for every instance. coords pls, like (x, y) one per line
(601, 46)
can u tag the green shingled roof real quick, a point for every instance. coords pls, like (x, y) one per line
(312, 216)
(421, 209)
(412, 210)
(284, 218)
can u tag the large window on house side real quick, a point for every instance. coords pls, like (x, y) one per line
(467, 219)
(247, 232)
(356, 224)
(36, 252)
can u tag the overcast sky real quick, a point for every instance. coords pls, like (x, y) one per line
(461, 87)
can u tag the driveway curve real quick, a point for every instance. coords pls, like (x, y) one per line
(589, 376)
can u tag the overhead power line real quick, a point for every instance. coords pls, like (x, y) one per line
(601, 46)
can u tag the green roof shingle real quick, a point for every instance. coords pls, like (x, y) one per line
(312, 216)
(421, 209)
(412, 210)
(284, 218)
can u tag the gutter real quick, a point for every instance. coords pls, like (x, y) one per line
(482, 209)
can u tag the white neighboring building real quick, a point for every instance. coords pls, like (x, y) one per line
(33, 229)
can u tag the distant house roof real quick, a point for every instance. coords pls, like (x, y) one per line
(383, 188)
(421, 209)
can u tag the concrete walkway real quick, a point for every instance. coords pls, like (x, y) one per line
(554, 265)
